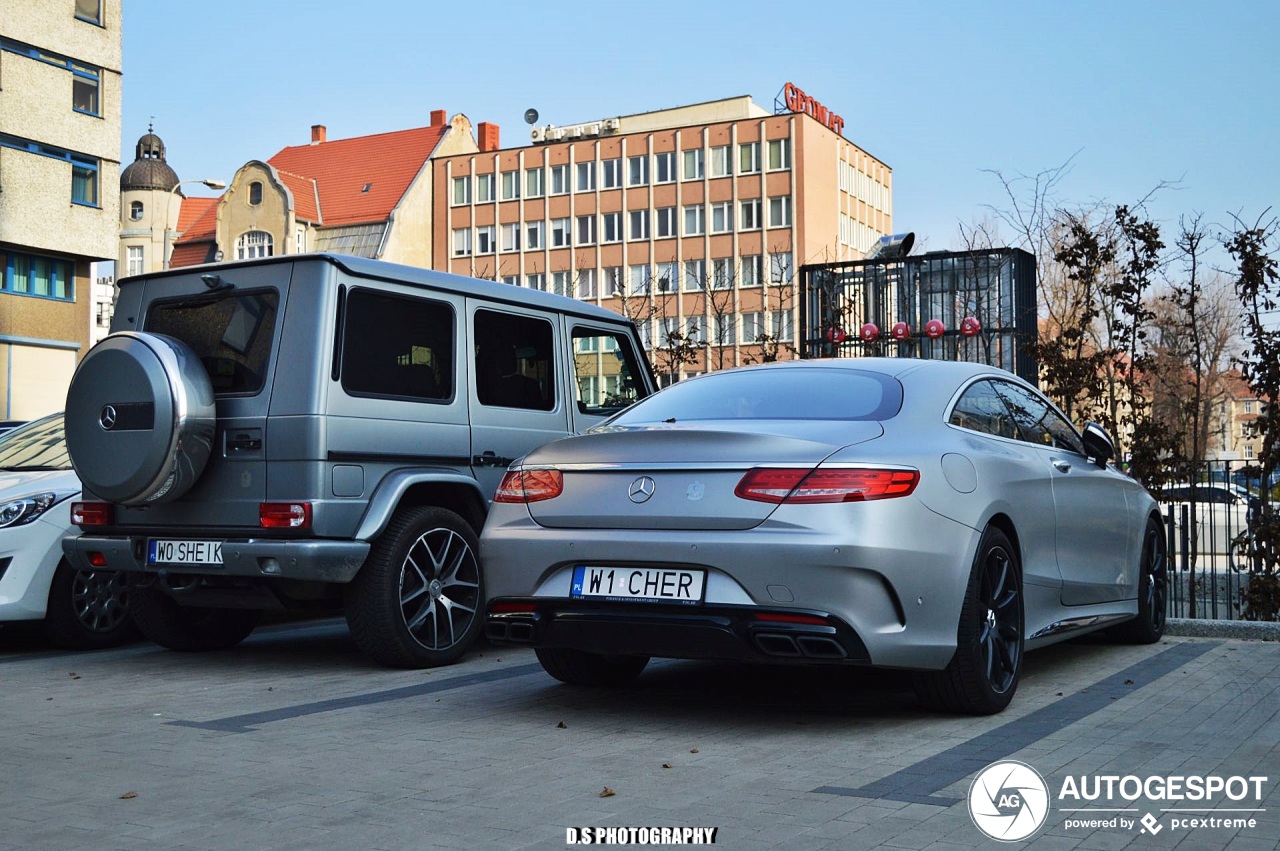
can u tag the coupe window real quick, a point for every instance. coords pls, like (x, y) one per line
(982, 409)
(772, 394)
(1037, 421)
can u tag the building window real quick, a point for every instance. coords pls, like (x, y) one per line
(84, 181)
(586, 177)
(780, 267)
(510, 185)
(638, 170)
(725, 329)
(664, 167)
(513, 280)
(299, 240)
(535, 236)
(638, 224)
(722, 273)
(611, 227)
(586, 284)
(85, 82)
(461, 190)
(780, 326)
(26, 274)
(637, 279)
(135, 211)
(461, 242)
(254, 244)
(586, 230)
(750, 218)
(536, 281)
(255, 194)
(613, 282)
(484, 240)
(668, 277)
(750, 267)
(611, 173)
(666, 221)
(780, 211)
(560, 180)
(511, 237)
(752, 327)
(722, 217)
(561, 235)
(484, 188)
(89, 10)
(1248, 406)
(533, 185)
(694, 164)
(749, 158)
(695, 220)
(721, 164)
(695, 331)
(1248, 451)
(136, 259)
(560, 283)
(695, 274)
(779, 154)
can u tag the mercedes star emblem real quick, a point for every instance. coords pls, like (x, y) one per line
(641, 489)
(107, 419)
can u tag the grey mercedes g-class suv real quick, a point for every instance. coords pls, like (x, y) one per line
(315, 431)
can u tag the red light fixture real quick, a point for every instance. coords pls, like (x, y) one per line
(933, 329)
(836, 335)
(798, 486)
(512, 608)
(970, 326)
(525, 486)
(284, 515)
(97, 559)
(86, 514)
(900, 331)
(779, 617)
(869, 332)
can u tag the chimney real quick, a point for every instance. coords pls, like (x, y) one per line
(487, 136)
(317, 134)
(438, 117)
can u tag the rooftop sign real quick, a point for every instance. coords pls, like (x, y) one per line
(797, 101)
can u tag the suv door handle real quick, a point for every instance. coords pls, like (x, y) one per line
(489, 458)
(1061, 466)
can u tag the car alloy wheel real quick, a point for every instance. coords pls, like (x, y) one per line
(99, 600)
(1000, 641)
(439, 588)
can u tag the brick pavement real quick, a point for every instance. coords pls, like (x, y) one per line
(295, 741)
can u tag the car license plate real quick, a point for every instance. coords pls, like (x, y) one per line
(185, 552)
(640, 584)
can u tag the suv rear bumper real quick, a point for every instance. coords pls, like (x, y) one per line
(315, 561)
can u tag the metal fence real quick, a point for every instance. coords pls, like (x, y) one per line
(1207, 520)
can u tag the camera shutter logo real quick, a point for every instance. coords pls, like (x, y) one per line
(1008, 801)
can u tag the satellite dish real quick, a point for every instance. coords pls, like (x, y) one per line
(531, 116)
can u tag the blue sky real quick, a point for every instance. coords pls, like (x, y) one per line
(1139, 92)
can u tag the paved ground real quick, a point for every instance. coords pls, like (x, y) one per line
(294, 741)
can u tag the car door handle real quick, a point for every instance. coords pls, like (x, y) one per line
(490, 459)
(1061, 466)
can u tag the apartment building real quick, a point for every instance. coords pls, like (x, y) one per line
(692, 221)
(60, 89)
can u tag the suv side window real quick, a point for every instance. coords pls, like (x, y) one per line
(231, 334)
(514, 357)
(604, 371)
(397, 346)
(1037, 421)
(980, 408)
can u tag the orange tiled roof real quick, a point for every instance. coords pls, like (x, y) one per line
(341, 169)
(305, 196)
(191, 253)
(192, 209)
(203, 221)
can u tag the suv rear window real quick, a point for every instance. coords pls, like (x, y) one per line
(231, 335)
(772, 394)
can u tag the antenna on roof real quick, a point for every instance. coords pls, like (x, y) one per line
(531, 116)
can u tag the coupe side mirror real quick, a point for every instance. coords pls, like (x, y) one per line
(1098, 444)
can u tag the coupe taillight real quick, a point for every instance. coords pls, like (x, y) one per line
(529, 486)
(85, 514)
(798, 486)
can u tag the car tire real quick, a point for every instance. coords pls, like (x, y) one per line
(88, 609)
(1153, 590)
(190, 629)
(983, 674)
(579, 668)
(417, 601)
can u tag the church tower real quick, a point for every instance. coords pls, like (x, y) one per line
(149, 207)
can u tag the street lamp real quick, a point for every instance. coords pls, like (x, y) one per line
(170, 234)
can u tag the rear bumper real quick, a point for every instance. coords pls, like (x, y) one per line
(306, 560)
(737, 633)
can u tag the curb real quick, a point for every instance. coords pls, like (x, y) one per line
(1248, 630)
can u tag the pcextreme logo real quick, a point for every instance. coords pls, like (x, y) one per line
(1008, 801)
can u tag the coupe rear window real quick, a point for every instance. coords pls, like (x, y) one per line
(772, 394)
(231, 335)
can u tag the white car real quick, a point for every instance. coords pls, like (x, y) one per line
(1223, 511)
(80, 609)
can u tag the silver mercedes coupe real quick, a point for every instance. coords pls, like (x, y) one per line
(934, 516)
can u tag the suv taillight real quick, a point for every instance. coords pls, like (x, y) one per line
(529, 486)
(284, 515)
(800, 486)
(86, 514)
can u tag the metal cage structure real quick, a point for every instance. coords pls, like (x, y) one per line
(977, 306)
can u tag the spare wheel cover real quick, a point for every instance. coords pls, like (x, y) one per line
(140, 418)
